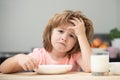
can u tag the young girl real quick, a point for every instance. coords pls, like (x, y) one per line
(66, 40)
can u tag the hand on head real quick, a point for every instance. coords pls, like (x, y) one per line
(79, 27)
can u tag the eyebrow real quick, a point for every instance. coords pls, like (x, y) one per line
(65, 28)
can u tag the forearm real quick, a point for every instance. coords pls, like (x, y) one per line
(86, 52)
(10, 65)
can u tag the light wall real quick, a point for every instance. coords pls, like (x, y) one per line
(118, 13)
(23, 21)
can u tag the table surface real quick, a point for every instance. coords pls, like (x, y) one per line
(65, 76)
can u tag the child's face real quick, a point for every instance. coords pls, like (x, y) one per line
(63, 39)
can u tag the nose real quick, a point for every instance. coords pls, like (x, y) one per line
(64, 37)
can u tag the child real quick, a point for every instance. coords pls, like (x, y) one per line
(66, 40)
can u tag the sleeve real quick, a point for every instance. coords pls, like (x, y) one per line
(37, 54)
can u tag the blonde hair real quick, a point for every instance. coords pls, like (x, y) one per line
(64, 18)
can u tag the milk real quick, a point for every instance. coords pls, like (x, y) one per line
(99, 62)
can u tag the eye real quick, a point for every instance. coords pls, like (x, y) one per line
(72, 36)
(61, 31)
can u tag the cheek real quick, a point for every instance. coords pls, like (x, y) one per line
(72, 42)
(54, 37)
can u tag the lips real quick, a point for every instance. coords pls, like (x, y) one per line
(62, 43)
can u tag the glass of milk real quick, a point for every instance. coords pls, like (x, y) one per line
(99, 62)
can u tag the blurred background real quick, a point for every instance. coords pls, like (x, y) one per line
(22, 21)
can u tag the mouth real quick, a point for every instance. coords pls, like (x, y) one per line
(62, 43)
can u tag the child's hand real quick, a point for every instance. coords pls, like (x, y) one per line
(79, 27)
(26, 62)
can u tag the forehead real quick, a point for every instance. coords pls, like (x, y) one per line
(66, 27)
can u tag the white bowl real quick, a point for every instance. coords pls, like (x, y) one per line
(53, 69)
(115, 67)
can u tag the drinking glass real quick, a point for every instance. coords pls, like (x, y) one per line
(99, 62)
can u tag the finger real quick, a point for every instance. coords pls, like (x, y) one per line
(81, 20)
(32, 64)
(74, 22)
(71, 28)
(78, 20)
(29, 66)
(75, 19)
(24, 67)
(35, 62)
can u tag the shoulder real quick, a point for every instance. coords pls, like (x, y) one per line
(38, 51)
(38, 54)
